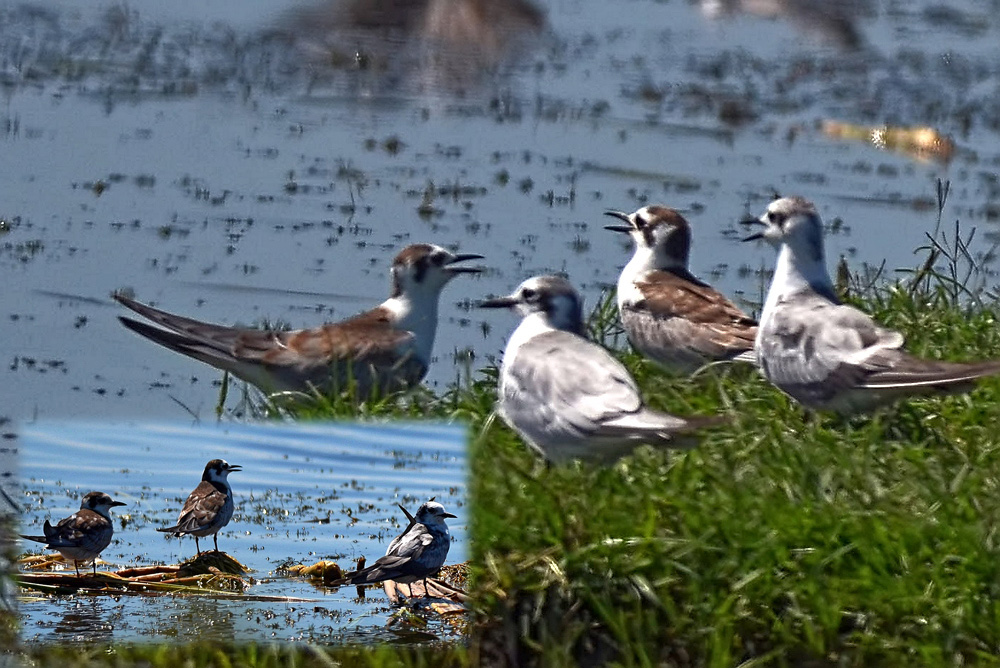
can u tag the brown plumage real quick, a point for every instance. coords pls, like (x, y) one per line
(671, 316)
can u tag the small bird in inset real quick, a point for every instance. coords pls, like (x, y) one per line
(387, 348)
(827, 355)
(82, 536)
(209, 507)
(569, 397)
(670, 316)
(413, 555)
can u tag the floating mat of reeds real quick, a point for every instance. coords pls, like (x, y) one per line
(213, 574)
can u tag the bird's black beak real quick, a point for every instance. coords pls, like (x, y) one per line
(234, 467)
(454, 517)
(462, 257)
(755, 235)
(620, 216)
(498, 302)
(118, 503)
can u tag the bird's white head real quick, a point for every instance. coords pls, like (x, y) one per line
(662, 236)
(99, 502)
(424, 269)
(549, 297)
(432, 512)
(218, 470)
(792, 222)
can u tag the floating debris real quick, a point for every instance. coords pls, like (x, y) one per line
(922, 143)
(442, 596)
(212, 573)
(326, 571)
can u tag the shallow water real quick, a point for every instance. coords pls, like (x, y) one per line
(306, 492)
(226, 162)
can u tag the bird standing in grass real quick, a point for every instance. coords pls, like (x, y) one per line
(209, 507)
(385, 349)
(568, 397)
(82, 536)
(827, 355)
(670, 316)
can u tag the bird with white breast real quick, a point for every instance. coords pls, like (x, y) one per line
(568, 397)
(669, 315)
(82, 536)
(209, 507)
(382, 350)
(827, 355)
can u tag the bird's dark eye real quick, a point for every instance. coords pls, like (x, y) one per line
(776, 218)
(438, 259)
(528, 294)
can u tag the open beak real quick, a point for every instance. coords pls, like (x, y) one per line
(620, 216)
(462, 258)
(234, 467)
(755, 235)
(498, 302)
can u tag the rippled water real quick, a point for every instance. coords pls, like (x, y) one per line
(306, 492)
(240, 162)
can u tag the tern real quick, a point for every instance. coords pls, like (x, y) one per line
(568, 397)
(415, 554)
(82, 536)
(387, 348)
(209, 507)
(670, 316)
(827, 355)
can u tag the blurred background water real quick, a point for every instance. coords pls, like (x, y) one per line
(306, 492)
(248, 161)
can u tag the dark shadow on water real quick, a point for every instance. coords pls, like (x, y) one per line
(428, 45)
(362, 48)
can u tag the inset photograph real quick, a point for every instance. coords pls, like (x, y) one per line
(339, 533)
(8, 528)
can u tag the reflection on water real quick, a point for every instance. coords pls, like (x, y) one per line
(444, 45)
(306, 492)
(834, 22)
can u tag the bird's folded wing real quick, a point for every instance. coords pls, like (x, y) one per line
(811, 342)
(411, 544)
(895, 369)
(370, 344)
(686, 297)
(717, 326)
(200, 509)
(563, 379)
(77, 529)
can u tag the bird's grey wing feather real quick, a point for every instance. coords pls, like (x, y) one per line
(813, 346)
(569, 384)
(895, 369)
